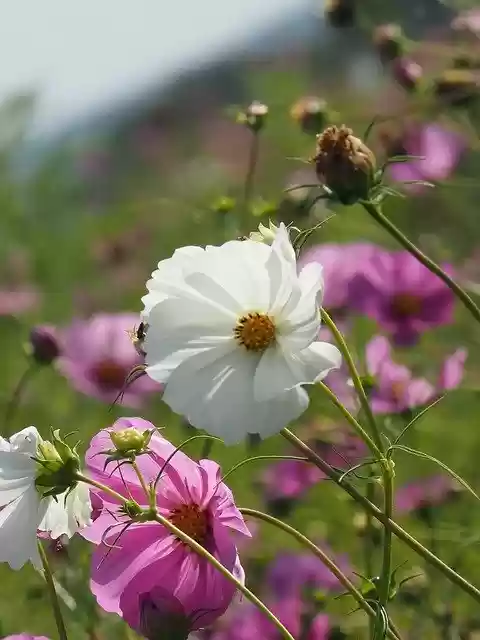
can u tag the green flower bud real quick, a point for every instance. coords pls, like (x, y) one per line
(254, 116)
(58, 465)
(130, 441)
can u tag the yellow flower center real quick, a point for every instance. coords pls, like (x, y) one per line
(255, 331)
(406, 305)
(191, 520)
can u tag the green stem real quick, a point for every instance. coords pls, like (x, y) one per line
(342, 578)
(357, 382)
(249, 180)
(149, 494)
(57, 612)
(195, 546)
(201, 551)
(17, 394)
(352, 421)
(374, 211)
(378, 514)
(384, 586)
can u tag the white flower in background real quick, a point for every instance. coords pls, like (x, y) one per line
(232, 334)
(265, 234)
(24, 510)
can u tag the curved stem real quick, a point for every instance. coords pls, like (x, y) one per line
(57, 612)
(357, 382)
(377, 513)
(374, 211)
(342, 578)
(17, 393)
(225, 572)
(201, 551)
(353, 421)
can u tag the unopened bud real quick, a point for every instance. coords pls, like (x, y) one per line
(407, 73)
(311, 114)
(254, 116)
(457, 87)
(130, 441)
(223, 205)
(264, 234)
(44, 344)
(389, 41)
(344, 164)
(58, 465)
(340, 13)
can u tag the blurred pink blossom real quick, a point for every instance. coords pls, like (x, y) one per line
(18, 301)
(426, 492)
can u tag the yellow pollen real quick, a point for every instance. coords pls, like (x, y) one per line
(255, 331)
(191, 520)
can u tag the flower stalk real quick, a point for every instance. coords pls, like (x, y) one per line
(374, 211)
(57, 612)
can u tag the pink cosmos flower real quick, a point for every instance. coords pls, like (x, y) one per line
(99, 354)
(402, 295)
(192, 496)
(17, 301)
(440, 149)
(24, 636)
(427, 492)
(341, 262)
(394, 389)
(246, 622)
(290, 574)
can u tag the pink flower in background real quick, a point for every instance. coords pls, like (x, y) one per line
(341, 262)
(427, 492)
(395, 389)
(24, 636)
(17, 301)
(468, 21)
(440, 149)
(290, 574)
(98, 356)
(246, 622)
(192, 496)
(402, 295)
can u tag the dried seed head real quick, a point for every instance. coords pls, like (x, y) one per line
(310, 113)
(344, 164)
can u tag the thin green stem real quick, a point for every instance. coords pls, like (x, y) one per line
(306, 542)
(378, 514)
(357, 382)
(57, 612)
(17, 394)
(384, 586)
(353, 421)
(195, 546)
(374, 211)
(249, 180)
(143, 484)
(201, 551)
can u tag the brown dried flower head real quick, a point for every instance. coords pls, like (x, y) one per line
(311, 114)
(344, 164)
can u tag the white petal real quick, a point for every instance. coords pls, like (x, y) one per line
(282, 272)
(68, 513)
(26, 441)
(279, 371)
(17, 475)
(18, 530)
(219, 398)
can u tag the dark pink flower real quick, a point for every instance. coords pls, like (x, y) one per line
(45, 344)
(394, 388)
(290, 574)
(439, 149)
(427, 492)
(402, 295)
(17, 301)
(246, 622)
(98, 356)
(341, 262)
(192, 496)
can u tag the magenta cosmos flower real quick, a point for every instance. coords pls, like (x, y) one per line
(98, 354)
(402, 295)
(192, 496)
(439, 149)
(341, 262)
(394, 389)
(24, 636)
(291, 574)
(246, 622)
(427, 492)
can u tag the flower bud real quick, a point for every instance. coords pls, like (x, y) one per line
(407, 73)
(340, 13)
(44, 345)
(310, 113)
(223, 205)
(389, 41)
(130, 441)
(58, 465)
(254, 116)
(264, 234)
(344, 164)
(457, 87)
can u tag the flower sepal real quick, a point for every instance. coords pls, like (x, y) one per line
(59, 465)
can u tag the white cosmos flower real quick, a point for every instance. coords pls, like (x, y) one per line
(232, 334)
(23, 510)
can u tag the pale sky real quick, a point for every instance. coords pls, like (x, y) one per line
(81, 54)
